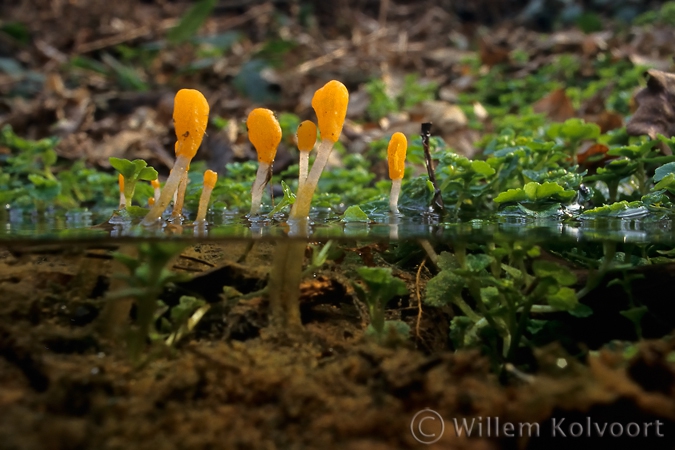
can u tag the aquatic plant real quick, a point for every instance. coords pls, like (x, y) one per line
(190, 115)
(382, 287)
(264, 133)
(148, 274)
(130, 173)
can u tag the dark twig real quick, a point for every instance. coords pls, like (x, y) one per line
(437, 202)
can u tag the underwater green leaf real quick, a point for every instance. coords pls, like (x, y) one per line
(563, 299)
(441, 288)
(559, 273)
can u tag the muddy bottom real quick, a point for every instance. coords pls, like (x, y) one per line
(233, 384)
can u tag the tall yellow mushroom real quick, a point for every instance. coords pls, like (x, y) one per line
(264, 132)
(398, 145)
(306, 135)
(330, 105)
(190, 115)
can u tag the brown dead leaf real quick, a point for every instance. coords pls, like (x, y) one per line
(656, 107)
(593, 156)
(555, 105)
(606, 120)
(492, 54)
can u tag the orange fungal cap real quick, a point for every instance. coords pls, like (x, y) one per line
(190, 116)
(398, 144)
(155, 183)
(306, 136)
(210, 178)
(264, 133)
(120, 180)
(330, 105)
(151, 201)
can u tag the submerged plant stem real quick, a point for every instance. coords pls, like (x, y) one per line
(284, 285)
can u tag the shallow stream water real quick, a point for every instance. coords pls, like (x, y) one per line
(325, 225)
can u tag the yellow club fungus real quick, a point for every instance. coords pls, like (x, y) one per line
(190, 116)
(330, 105)
(264, 133)
(156, 191)
(398, 145)
(123, 198)
(306, 135)
(210, 178)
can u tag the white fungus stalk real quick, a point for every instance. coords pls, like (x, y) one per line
(394, 194)
(170, 188)
(179, 200)
(258, 188)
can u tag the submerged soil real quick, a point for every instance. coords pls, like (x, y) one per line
(232, 384)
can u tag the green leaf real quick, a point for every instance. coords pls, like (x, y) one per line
(184, 309)
(482, 168)
(355, 214)
(635, 314)
(581, 311)
(442, 288)
(666, 169)
(289, 199)
(562, 275)
(382, 285)
(477, 263)
(490, 296)
(147, 174)
(534, 192)
(577, 130)
(447, 261)
(618, 209)
(123, 166)
(191, 21)
(137, 212)
(564, 299)
(512, 195)
(46, 189)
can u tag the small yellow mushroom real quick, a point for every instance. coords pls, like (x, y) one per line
(264, 132)
(210, 178)
(306, 136)
(398, 145)
(190, 115)
(123, 198)
(156, 191)
(330, 105)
